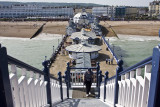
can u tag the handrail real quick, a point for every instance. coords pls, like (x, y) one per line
(111, 78)
(22, 64)
(110, 49)
(27, 66)
(83, 68)
(138, 65)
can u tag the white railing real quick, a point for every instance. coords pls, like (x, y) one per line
(64, 90)
(77, 79)
(134, 88)
(55, 91)
(28, 88)
(109, 91)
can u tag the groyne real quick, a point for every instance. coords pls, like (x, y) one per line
(38, 31)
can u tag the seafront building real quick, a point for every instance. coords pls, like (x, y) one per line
(33, 10)
(107, 11)
(120, 12)
(154, 8)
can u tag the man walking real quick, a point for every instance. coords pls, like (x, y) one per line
(88, 79)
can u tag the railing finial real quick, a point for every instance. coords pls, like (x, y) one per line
(60, 83)
(120, 65)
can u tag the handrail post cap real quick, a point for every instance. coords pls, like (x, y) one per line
(106, 73)
(120, 62)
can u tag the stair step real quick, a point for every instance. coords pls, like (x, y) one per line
(81, 93)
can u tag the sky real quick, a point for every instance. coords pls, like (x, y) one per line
(104, 2)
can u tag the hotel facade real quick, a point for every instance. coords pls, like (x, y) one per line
(33, 10)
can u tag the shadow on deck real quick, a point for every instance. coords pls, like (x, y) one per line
(82, 103)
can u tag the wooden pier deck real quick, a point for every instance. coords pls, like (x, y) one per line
(61, 60)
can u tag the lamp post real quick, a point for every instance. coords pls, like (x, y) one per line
(53, 49)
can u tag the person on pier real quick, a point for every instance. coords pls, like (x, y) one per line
(88, 79)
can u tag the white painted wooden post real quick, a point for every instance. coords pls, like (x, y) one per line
(133, 85)
(123, 88)
(25, 86)
(22, 82)
(30, 88)
(14, 86)
(147, 76)
(36, 90)
(140, 82)
(129, 89)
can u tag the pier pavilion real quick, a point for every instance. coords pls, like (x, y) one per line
(83, 19)
(85, 34)
(83, 48)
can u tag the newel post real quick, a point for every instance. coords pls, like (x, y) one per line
(105, 82)
(99, 82)
(60, 83)
(68, 71)
(118, 70)
(98, 68)
(5, 86)
(154, 96)
(66, 81)
(47, 78)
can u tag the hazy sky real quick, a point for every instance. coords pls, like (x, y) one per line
(105, 2)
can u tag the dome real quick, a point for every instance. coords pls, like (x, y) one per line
(83, 15)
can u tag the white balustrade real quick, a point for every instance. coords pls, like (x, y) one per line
(29, 88)
(64, 90)
(55, 91)
(77, 79)
(110, 91)
(133, 88)
(102, 92)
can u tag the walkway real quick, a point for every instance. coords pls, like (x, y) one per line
(82, 103)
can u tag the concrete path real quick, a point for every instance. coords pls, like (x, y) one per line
(82, 103)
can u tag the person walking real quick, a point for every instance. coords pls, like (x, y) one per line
(88, 79)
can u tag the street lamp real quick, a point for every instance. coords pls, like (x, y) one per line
(53, 49)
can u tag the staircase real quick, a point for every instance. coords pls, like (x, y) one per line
(22, 85)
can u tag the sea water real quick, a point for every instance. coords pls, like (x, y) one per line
(32, 51)
(133, 48)
(130, 48)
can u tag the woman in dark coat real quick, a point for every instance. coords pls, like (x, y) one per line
(88, 79)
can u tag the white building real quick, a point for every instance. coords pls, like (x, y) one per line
(92, 50)
(32, 10)
(83, 18)
(108, 11)
(154, 8)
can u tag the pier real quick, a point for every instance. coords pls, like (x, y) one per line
(60, 83)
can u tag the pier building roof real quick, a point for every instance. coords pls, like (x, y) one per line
(83, 35)
(84, 47)
(83, 60)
